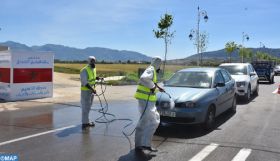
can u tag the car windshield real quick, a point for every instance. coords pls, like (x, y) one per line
(190, 79)
(235, 69)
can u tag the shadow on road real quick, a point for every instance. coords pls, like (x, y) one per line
(241, 101)
(265, 83)
(190, 131)
(137, 156)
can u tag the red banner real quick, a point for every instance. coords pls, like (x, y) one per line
(5, 75)
(32, 75)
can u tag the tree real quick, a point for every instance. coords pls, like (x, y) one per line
(164, 33)
(203, 42)
(230, 47)
(242, 52)
(265, 56)
(259, 55)
(249, 54)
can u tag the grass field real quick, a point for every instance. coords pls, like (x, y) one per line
(111, 69)
(130, 71)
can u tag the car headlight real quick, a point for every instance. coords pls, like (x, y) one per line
(189, 104)
(240, 84)
(165, 104)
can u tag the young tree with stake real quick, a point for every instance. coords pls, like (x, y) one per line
(164, 33)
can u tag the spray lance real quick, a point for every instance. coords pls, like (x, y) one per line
(171, 101)
(104, 109)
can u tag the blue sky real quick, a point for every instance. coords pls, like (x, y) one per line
(128, 24)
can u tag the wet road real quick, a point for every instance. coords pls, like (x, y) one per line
(49, 130)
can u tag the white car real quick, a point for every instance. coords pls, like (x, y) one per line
(277, 70)
(246, 78)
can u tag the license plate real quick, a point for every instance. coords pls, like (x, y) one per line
(167, 113)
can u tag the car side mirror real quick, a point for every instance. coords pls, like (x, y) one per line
(252, 74)
(220, 85)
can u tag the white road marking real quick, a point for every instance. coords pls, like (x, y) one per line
(242, 155)
(35, 135)
(275, 91)
(204, 152)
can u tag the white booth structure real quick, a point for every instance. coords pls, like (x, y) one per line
(25, 75)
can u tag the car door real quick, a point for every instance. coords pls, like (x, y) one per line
(221, 92)
(230, 90)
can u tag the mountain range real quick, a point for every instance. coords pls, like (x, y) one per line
(66, 53)
(221, 55)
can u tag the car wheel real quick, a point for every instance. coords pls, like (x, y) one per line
(272, 80)
(256, 92)
(210, 119)
(247, 96)
(233, 107)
